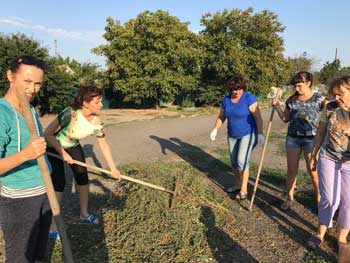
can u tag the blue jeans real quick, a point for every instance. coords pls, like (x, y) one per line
(240, 149)
(304, 143)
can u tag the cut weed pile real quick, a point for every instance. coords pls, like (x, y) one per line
(138, 226)
(206, 225)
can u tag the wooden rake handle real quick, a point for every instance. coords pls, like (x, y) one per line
(262, 158)
(55, 208)
(277, 96)
(95, 168)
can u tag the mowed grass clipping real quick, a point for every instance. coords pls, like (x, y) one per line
(138, 225)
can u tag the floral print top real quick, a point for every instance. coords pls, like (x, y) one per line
(336, 142)
(304, 115)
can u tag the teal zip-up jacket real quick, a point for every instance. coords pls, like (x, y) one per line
(27, 175)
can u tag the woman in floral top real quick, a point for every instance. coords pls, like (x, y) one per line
(333, 150)
(301, 112)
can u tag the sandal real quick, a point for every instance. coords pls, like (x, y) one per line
(90, 219)
(241, 196)
(313, 242)
(287, 205)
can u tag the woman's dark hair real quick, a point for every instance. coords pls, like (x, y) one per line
(302, 76)
(339, 82)
(236, 82)
(86, 93)
(26, 60)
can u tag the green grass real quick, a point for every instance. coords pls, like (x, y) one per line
(138, 226)
(304, 192)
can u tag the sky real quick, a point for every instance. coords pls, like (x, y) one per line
(314, 27)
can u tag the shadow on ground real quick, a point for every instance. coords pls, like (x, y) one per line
(294, 223)
(221, 243)
(218, 172)
(94, 247)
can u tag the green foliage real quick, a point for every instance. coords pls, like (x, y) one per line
(12, 46)
(58, 89)
(240, 42)
(187, 102)
(84, 73)
(152, 57)
(331, 71)
(62, 76)
(296, 64)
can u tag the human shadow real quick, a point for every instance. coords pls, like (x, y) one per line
(265, 201)
(224, 249)
(89, 153)
(82, 235)
(217, 171)
(268, 203)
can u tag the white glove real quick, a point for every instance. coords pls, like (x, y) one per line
(261, 139)
(213, 134)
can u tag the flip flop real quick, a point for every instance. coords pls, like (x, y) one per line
(314, 242)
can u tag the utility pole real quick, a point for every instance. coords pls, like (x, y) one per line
(336, 54)
(56, 51)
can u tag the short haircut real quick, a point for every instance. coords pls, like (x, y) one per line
(235, 83)
(302, 76)
(26, 60)
(86, 93)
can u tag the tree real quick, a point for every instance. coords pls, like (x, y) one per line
(151, 58)
(84, 73)
(15, 45)
(240, 42)
(330, 71)
(58, 89)
(299, 63)
(58, 86)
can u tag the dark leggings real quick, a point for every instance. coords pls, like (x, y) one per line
(79, 172)
(25, 223)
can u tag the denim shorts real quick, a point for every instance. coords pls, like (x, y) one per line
(240, 149)
(304, 143)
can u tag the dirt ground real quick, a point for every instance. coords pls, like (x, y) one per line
(138, 136)
(265, 235)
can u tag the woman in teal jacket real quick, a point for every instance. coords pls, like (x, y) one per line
(25, 213)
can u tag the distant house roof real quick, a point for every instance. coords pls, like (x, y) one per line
(66, 69)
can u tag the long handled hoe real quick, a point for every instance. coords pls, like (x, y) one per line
(95, 168)
(277, 95)
(28, 117)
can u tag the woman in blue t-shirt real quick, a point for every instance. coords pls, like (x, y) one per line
(244, 130)
(301, 112)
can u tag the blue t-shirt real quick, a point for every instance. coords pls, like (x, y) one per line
(240, 121)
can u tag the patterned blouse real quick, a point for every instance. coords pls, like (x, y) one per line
(304, 115)
(336, 142)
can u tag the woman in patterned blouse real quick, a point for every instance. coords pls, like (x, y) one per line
(333, 165)
(301, 112)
